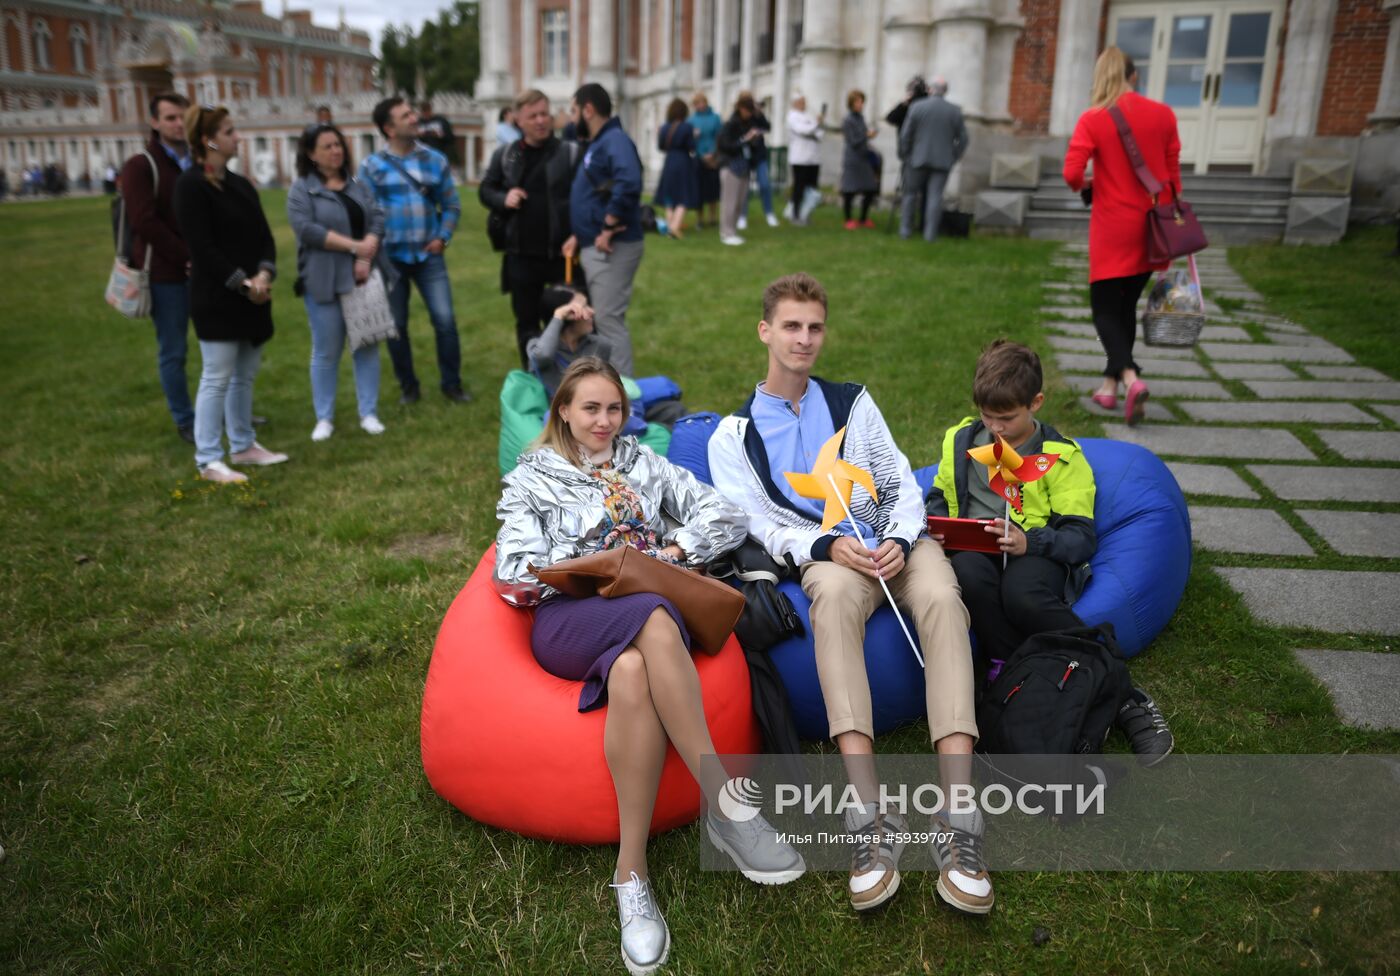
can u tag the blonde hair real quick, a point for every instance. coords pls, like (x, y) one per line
(556, 434)
(1110, 78)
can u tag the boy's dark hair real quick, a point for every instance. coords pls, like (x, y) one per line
(382, 111)
(596, 95)
(174, 98)
(1008, 376)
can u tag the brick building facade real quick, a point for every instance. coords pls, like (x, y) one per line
(1256, 84)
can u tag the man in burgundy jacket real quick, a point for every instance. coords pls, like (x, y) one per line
(152, 217)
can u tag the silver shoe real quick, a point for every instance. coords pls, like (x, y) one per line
(756, 850)
(646, 941)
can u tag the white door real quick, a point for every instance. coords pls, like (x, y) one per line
(1214, 64)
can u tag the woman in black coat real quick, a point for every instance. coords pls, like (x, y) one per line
(232, 263)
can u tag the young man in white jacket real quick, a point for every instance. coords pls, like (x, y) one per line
(781, 429)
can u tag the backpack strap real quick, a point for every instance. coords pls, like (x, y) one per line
(395, 162)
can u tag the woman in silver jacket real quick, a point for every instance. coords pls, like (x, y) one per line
(584, 489)
(338, 227)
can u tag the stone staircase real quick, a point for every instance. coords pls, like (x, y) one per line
(1233, 208)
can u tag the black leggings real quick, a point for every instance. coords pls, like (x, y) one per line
(802, 177)
(1114, 304)
(866, 199)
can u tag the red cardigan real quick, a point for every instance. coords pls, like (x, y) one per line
(1118, 218)
(152, 215)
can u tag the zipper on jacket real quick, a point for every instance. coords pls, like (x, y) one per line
(1065, 677)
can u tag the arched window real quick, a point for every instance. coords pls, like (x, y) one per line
(42, 38)
(77, 40)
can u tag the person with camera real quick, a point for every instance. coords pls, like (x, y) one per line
(526, 188)
(233, 260)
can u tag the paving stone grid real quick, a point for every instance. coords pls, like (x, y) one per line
(1255, 371)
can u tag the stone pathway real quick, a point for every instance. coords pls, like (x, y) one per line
(1261, 388)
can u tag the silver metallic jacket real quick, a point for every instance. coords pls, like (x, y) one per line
(552, 511)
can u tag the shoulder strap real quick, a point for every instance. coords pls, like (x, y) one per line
(1130, 146)
(395, 162)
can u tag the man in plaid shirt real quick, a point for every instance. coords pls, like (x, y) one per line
(413, 185)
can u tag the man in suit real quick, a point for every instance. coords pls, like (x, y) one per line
(931, 141)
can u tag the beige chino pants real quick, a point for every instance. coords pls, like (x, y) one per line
(927, 593)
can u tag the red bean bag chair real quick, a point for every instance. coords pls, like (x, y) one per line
(504, 742)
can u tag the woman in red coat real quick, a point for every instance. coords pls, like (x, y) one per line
(1118, 265)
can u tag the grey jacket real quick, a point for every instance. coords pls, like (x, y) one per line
(551, 511)
(314, 210)
(933, 134)
(857, 175)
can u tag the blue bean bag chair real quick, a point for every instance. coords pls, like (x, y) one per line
(1139, 576)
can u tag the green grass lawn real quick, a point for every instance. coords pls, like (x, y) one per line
(209, 697)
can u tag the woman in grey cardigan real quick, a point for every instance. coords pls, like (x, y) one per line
(858, 162)
(338, 226)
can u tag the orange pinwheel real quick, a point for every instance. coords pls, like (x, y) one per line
(1007, 470)
(831, 468)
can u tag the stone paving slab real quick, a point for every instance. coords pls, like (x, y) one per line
(1357, 374)
(1269, 352)
(1287, 412)
(1218, 442)
(1072, 311)
(1357, 533)
(1085, 339)
(1074, 328)
(1284, 328)
(1364, 685)
(1322, 390)
(1076, 344)
(1296, 338)
(1364, 445)
(1155, 410)
(1259, 531)
(1392, 413)
(1071, 362)
(1063, 285)
(1197, 389)
(1225, 333)
(1312, 484)
(1335, 601)
(1254, 371)
(1209, 479)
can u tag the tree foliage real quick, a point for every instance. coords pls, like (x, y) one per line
(444, 55)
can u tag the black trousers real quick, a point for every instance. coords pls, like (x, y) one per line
(1114, 304)
(802, 177)
(526, 278)
(1007, 606)
(866, 199)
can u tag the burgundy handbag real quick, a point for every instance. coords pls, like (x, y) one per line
(1172, 228)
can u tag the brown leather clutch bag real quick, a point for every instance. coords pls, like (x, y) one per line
(709, 608)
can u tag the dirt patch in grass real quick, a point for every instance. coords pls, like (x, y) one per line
(425, 546)
(119, 692)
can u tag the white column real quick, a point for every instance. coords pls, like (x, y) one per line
(821, 62)
(469, 163)
(781, 95)
(494, 86)
(906, 47)
(1304, 66)
(719, 12)
(602, 42)
(1076, 49)
(1001, 56)
(960, 50)
(747, 44)
(646, 55)
(529, 46)
(1387, 113)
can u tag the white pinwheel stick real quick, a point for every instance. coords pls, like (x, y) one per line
(855, 526)
(1006, 531)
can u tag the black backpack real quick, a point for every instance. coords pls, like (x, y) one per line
(1059, 693)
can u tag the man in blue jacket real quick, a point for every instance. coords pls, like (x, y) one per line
(605, 212)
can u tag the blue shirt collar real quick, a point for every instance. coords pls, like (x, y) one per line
(181, 161)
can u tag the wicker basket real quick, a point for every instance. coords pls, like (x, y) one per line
(1172, 328)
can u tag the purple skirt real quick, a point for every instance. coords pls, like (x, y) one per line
(579, 639)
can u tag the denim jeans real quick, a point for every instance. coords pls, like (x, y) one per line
(765, 187)
(170, 311)
(926, 183)
(327, 341)
(431, 278)
(225, 399)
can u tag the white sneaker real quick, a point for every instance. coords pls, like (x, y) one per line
(257, 454)
(371, 425)
(733, 240)
(787, 211)
(743, 223)
(772, 220)
(218, 471)
(322, 431)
